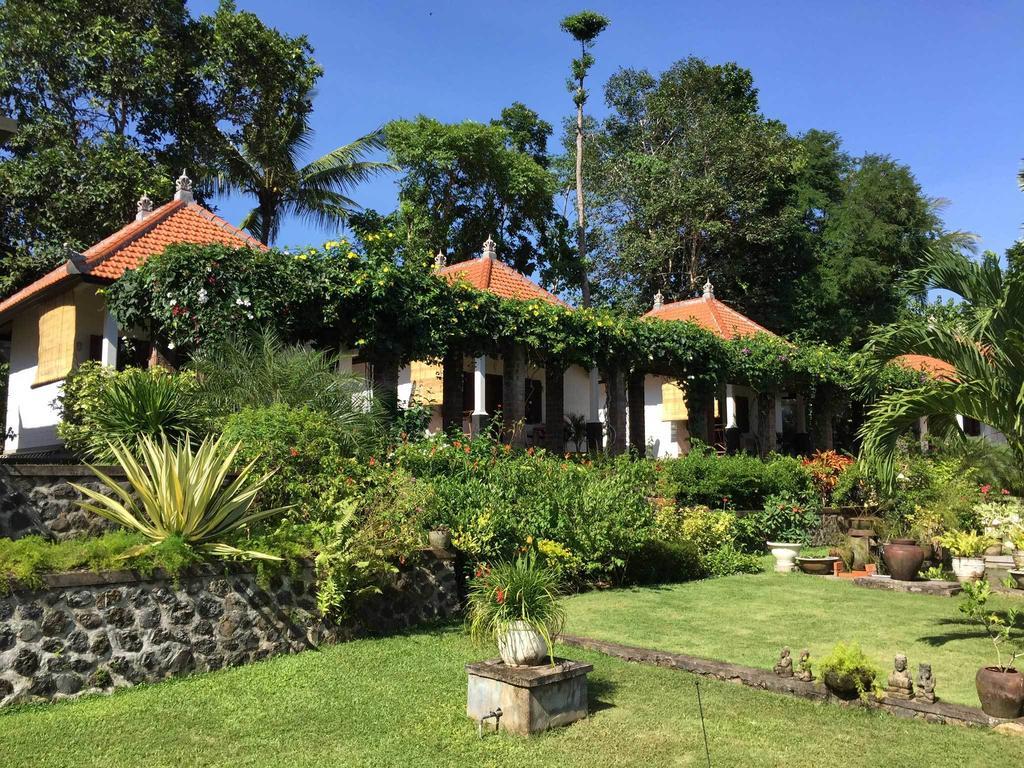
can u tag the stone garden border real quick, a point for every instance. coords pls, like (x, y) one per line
(938, 712)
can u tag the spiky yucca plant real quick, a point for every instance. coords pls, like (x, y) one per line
(180, 491)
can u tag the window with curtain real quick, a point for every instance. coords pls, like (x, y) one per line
(673, 402)
(427, 386)
(56, 352)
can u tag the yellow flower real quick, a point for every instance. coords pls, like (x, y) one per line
(331, 244)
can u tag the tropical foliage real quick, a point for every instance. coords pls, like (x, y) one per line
(101, 407)
(985, 350)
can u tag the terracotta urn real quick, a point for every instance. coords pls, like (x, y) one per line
(1001, 693)
(903, 558)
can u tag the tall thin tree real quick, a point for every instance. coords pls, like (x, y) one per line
(584, 26)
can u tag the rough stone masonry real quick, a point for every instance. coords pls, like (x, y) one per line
(88, 632)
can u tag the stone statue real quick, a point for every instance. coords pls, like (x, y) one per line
(804, 667)
(925, 683)
(784, 666)
(900, 685)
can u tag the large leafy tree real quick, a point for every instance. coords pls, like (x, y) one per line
(984, 343)
(868, 238)
(113, 100)
(466, 181)
(691, 182)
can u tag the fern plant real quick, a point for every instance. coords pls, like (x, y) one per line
(179, 491)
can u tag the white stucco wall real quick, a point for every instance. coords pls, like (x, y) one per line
(31, 411)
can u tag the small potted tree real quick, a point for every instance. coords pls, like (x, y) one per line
(518, 605)
(967, 549)
(1000, 687)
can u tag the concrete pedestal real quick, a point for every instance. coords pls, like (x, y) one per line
(531, 699)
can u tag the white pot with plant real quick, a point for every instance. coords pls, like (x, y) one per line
(785, 554)
(967, 549)
(518, 605)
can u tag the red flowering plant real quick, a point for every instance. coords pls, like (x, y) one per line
(826, 467)
(509, 594)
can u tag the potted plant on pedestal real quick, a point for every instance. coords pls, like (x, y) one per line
(1000, 688)
(968, 549)
(518, 605)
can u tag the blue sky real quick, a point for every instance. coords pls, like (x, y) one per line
(937, 85)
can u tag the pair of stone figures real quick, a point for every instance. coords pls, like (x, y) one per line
(900, 686)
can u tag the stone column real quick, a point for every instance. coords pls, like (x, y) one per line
(637, 414)
(479, 393)
(554, 404)
(108, 352)
(616, 416)
(514, 395)
(385, 386)
(451, 392)
(730, 407)
(824, 439)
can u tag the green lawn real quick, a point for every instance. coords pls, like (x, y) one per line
(401, 702)
(747, 619)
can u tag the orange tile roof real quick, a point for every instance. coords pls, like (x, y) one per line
(128, 248)
(940, 369)
(487, 274)
(712, 314)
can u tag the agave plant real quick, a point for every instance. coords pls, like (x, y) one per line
(180, 492)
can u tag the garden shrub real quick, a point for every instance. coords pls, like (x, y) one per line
(735, 482)
(308, 453)
(784, 517)
(100, 405)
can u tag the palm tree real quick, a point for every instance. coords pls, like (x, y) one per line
(985, 346)
(266, 165)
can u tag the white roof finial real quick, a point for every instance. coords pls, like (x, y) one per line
(709, 290)
(143, 208)
(490, 252)
(659, 300)
(440, 260)
(183, 187)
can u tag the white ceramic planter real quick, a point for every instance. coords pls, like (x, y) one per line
(968, 568)
(785, 554)
(522, 646)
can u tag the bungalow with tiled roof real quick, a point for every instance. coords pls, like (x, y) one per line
(488, 383)
(941, 370)
(731, 423)
(61, 319)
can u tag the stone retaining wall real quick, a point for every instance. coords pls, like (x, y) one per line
(37, 499)
(86, 632)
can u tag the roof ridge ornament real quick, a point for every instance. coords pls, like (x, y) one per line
(143, 207)
(440, 260)
(490, 251)
(183, 188)
(709, 290)
(659, 300)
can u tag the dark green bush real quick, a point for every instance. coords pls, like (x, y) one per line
(735, 482)
(784, 517)
(308, 453)
(100, 405)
